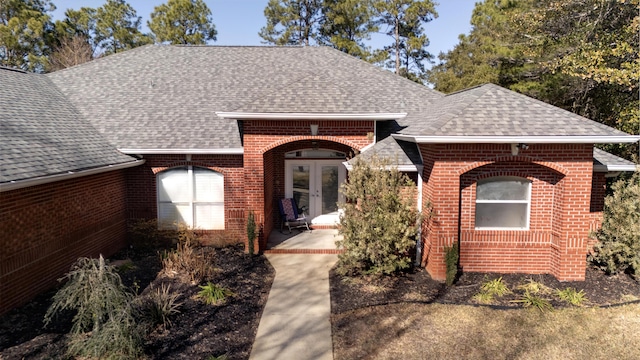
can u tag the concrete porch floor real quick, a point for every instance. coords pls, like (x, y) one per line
(321, 241)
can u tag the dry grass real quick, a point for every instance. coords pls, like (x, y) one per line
(436, 331)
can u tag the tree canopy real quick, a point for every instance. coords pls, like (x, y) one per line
(580, 55)
(292, 22)
(26, 33)
(403, 20)
(182, 22)
(347, 24)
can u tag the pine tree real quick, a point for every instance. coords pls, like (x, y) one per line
(182, 22)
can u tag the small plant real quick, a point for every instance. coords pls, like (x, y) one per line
(490, 289)
(451, 259)
(483, 297)
(160, 305)
(495, 287)
(572, 296)
(185, 259)
(213, 294)
(535, 287)
(534, 300)
(251, 232)
(221, 357)
(103, 326)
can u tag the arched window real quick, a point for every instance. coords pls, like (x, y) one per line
(503, 203)
(193, 196)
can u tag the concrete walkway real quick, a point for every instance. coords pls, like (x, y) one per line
(295, 323)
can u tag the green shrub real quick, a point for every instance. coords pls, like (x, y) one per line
(451, 260)
(572, 296)
(618, 247)
(251, 232)
(159, 306)
(213, 294)
(146, 235)
(380, 222)
(103, 326)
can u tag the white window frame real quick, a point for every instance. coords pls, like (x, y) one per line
(192, 203)
(526, 201)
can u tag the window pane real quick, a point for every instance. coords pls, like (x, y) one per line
(209, 185)
(501, 215)
(173, 185)
(503, 189)
(209, 217)
(169, 214)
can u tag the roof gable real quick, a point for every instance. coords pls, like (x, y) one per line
(490, 110)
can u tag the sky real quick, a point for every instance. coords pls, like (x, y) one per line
(239, 21)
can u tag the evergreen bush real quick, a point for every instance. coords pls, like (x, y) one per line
(451, 260)
(251, 232)
(380, 219)
(618, 247)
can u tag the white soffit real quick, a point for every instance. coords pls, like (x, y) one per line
(309, 116)
(518, 139)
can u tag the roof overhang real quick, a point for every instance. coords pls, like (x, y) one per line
(41, 180)
(309, 116)
(615, 168)
(143, 151)
(518, 139)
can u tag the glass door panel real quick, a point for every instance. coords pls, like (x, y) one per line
(330, 187)
(301, 176)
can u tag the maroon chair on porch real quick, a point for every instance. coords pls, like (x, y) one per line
(290, 216)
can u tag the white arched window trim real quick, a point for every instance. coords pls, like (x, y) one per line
(191, 195)
(503, 203)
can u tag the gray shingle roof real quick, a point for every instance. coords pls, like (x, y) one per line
(490, 110)
(603, 160)
(165, 97)
(42, 134)
(400, 153)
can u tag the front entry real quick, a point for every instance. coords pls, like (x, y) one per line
(314, 184)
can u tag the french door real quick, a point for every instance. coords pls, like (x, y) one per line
(315, 184)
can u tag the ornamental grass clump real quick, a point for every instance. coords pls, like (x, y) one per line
(103, 325)
(380, 220)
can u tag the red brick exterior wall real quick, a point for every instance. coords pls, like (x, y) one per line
(266, 141)
(142, 187)
(45, 228)
(560, 216)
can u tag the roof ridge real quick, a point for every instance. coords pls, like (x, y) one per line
(448, 116)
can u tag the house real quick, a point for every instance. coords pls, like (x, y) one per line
(205, 134)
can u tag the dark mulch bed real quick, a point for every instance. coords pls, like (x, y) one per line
(418, 287)
(197, 332)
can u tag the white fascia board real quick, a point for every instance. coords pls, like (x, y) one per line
(309, 116)
(616, 168)
(230, 151)
(402, 168)
(518, 139)
(19, 184)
